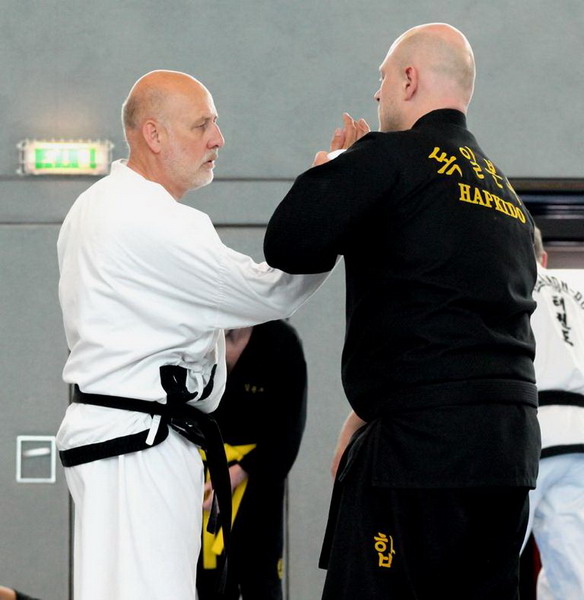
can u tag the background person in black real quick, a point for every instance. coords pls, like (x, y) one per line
(431, 495)
(266, 382)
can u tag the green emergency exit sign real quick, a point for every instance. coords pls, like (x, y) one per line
(69, 157)
(65, 158)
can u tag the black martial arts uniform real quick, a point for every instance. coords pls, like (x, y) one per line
(438, 250)
(264, 405)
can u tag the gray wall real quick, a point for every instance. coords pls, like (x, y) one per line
(281, 73)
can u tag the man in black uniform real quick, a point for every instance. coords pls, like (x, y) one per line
(430, 499)
(266, 383)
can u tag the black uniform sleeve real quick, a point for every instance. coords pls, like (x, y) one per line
(310, 227)
(282, 432)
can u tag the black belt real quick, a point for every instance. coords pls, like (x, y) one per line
(196, 426)
(548, 397)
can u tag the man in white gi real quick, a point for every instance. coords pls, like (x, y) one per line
(146, 285)
(556, 515)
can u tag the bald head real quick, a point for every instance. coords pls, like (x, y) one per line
(429, 67)
(170, 122)
(152, 95)
(443, 51)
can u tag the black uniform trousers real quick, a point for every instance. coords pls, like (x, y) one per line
(423, 544)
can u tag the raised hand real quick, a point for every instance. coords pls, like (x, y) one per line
(343, 137)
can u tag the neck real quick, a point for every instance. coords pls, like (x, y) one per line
(150, 170)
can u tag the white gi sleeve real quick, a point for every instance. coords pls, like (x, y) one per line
(252, 292)
(226, 289)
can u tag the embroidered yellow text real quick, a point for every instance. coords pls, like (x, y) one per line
(385, 550)
(475, 195)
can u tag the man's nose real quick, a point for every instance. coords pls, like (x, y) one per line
(217, 140)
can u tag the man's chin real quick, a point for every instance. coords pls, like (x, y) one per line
(203, 181)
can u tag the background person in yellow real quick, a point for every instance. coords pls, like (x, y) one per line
(262, 416)
(431, 494)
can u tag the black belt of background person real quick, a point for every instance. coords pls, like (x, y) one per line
(549, 397)
(561, 398)
(196, 426)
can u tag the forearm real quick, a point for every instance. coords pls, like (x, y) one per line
(302, 235)
(250, 293)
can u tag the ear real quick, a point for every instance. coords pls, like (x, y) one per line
(544, 260)
(410, 85)
(152, 134)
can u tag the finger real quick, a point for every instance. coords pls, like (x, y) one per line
(338, 139)
(362, 128)
(320, 158)
(350, 130)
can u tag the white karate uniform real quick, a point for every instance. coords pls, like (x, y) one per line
(557, 504)
(144, 282)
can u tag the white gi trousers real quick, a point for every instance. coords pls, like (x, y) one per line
(556, 517)
(138, 521)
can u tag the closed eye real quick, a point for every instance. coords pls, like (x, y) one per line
(205, 123)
